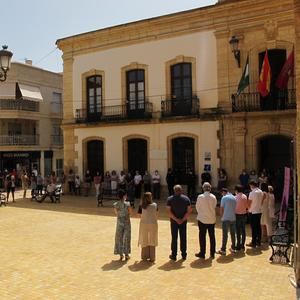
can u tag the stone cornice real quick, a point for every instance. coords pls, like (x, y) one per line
(221, 17)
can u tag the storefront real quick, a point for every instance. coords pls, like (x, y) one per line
(26, 160)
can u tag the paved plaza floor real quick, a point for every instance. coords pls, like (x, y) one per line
(65, 251)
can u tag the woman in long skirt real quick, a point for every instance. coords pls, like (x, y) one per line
(148, 228)
(123, 231)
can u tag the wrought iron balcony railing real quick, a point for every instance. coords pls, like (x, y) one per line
(26, 105)
(250, 102)
(188, 107)
(57, 139)
(115, 113)
(21, 140)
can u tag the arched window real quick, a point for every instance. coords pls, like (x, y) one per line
(94, 96)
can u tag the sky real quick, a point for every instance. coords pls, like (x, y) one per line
(30, 28)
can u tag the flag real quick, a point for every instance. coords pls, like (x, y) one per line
(244, 82)
(286, 71)
(263, 85)
(285, 195)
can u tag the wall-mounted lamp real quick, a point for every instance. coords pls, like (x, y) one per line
(234, 43)
(5, 58)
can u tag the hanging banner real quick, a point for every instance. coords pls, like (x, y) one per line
(285, 195)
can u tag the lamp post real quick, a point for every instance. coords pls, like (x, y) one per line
(5, 58)
(234, 43)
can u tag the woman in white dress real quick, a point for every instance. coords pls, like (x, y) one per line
(268, 211)
(148, 231)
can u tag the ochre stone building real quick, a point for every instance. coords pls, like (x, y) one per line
(146, 72)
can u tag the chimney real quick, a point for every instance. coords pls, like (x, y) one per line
(28, 62)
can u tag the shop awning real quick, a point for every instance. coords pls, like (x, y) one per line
(7, 90)
(28, 92)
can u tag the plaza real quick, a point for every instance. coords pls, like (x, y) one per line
(65, 251)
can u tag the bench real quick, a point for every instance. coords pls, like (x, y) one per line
(280, 244)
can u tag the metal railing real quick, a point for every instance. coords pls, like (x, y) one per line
(180, 107)
(22, 139)
(115, 113)
(250, 102)
(57, 139)
(26, 105)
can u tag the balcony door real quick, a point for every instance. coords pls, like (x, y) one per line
(277, 98)
(181, 88)
(135, 83)
(183, 157)
(94, 97)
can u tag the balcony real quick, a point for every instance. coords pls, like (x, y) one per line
(187, 107)
(23, 105)
(57, 140)
(115, 113)
(251, 102)
(19, 140)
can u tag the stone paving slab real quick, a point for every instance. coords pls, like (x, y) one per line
(65, 251)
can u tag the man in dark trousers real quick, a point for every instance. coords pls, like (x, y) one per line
(179, 209)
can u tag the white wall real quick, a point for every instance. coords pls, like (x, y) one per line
(200, 45)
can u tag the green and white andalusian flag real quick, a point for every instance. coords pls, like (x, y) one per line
(244, 82)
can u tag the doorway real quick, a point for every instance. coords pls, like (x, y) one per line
(95, 157)
(183, 158)
(137, 155)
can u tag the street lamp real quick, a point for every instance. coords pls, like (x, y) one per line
(5, 58)
(234, 43)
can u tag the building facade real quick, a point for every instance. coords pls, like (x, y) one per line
(141, 96)
(143, 89)
(31, 116)
(256, 132)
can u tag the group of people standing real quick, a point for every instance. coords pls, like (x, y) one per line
(234, 211)
(259, 206)
(111, 182)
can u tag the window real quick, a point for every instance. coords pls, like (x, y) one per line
(59, 167)
(56, 135)
(181, 81)
(94, 95)
(136, 89)
(14, 128)
(56, 104)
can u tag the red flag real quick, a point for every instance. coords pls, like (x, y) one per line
(286, 71)
(263, 85)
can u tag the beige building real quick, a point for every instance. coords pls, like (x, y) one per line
(138, 92)
(31, 116)
(142, 96)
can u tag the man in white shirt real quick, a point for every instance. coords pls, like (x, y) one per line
(206, 209)
(255, 209)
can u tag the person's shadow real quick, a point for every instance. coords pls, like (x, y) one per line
(201, 263)
(114, 265)
(253, 251)
(172, 265)
(140, 266)
(225, 259)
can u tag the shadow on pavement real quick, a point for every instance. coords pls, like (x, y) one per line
(201, 263)
(239, 254)
(225, 259)
(114, 265)
(253, 251)
(140, 266)
(172, 265)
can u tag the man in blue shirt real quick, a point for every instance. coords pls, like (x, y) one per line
(179, 209)
(227, 210)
